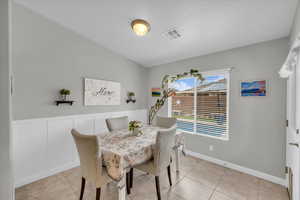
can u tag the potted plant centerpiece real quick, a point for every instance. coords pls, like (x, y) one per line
(135, 128)
(131, 97)
(65, 94)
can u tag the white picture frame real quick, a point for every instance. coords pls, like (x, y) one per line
(101, 92)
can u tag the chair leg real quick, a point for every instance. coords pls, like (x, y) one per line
(82, 188)
(98, 193)
(131, 177)
(157, 187)
(169, 175)
(128, 182)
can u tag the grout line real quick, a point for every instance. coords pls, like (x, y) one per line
(212, 194)
(259, 189)
(179, 180)
(217, 185)
(65, 180)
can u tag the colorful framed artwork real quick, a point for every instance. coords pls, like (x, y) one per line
(101, 92)
(155, 92)
(254, 88)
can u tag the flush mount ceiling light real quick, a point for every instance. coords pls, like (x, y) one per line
(140, 27)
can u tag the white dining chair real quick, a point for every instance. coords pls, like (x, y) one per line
(117, 123)
(162, 157)
(165, 122)
(91, 166)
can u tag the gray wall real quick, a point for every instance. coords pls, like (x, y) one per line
(296, 26)
(257, 124)
(48, 57)
(6, 187)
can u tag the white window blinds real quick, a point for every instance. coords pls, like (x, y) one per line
(201, 107)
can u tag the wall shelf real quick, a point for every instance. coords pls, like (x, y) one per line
(64, 102)
(130, 100)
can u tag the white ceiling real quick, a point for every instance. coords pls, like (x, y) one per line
(206, 26)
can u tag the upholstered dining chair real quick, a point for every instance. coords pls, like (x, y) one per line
(117, 123)
(162, 157)
(165, 122)
(90, 162)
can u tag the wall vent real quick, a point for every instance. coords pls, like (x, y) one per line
(173, 34)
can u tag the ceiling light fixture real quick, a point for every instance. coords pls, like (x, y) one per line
(140, 27)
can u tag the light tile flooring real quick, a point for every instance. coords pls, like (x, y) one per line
(198, 180)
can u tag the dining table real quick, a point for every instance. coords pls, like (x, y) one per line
(122, 150)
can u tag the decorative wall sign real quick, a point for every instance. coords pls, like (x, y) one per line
(254, 88)
(101, 92)
(155, 92)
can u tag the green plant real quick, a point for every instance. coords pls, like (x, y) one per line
(134, 125)
(65, 92)
(168, 92)
(131, 94)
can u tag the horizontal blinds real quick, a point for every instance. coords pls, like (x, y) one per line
(202, 109)
(183, 108)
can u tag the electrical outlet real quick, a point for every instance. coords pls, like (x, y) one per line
(211, 147)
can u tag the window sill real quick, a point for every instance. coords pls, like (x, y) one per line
(224, 138)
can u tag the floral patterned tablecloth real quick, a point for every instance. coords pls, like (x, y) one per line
(121, 150)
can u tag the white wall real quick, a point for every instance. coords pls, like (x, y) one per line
(256, 124)
(43, 147)
(296, 26)
(6, 184)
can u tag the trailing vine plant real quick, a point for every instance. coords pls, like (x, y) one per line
(167, 92)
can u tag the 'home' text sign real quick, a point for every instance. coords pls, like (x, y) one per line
(101, 92)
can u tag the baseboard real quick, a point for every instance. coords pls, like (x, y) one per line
(46, 174)
(239, 168)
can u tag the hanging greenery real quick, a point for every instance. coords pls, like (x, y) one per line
(167, 92)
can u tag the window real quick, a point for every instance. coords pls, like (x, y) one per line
(201, 107)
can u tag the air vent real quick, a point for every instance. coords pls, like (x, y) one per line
(173, 34)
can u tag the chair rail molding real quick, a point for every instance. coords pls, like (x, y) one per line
(44, 146)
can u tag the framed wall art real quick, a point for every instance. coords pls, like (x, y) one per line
(254, 88)
(101, 92)
(155, 92)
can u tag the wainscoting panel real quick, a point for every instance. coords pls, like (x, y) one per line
(43, 147)
(100, 125)
(85, 125)
(30, 148)
(60, 148)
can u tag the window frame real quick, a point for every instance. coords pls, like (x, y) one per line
(226, 73)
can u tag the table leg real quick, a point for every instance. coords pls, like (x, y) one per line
(122, 188)
(177, 158)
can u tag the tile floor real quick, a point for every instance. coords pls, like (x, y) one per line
(198, 180)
